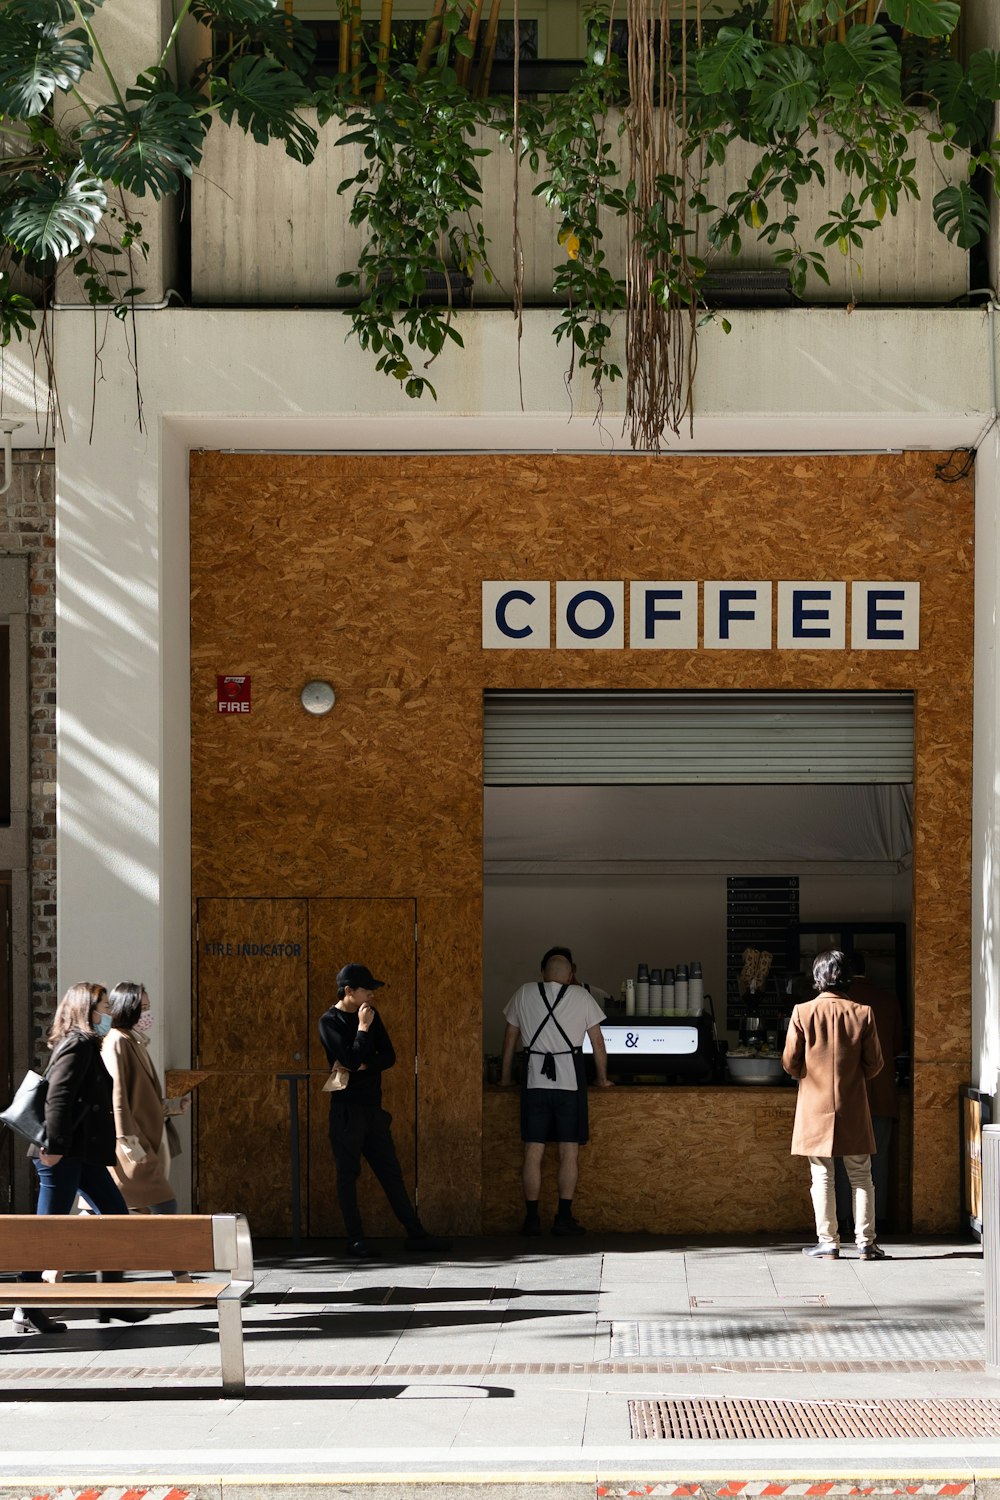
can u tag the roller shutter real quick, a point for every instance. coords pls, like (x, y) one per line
(621, 739)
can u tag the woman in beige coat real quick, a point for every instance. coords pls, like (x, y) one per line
(145, 1138)
(832, 1048)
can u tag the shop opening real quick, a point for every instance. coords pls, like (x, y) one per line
(695, 851)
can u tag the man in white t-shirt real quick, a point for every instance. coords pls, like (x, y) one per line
(552, 1018)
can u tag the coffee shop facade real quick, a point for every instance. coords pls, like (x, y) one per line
(426, 588)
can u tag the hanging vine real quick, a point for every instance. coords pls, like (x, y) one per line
(662, 272)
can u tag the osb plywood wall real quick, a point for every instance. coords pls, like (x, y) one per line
(366, 571)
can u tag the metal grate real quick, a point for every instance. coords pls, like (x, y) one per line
(743, 1419)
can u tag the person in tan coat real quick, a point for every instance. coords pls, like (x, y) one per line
(145, 1139)
(832, 1048)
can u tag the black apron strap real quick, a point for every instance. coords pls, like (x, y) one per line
(548, 1068)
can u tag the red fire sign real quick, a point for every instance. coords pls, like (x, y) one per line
(232, 695)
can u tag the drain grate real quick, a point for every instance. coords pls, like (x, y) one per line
(714, 1420)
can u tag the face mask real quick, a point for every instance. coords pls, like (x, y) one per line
(102, 1025)
(145, 1021)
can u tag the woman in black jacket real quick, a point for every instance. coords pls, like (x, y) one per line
(79, 1126)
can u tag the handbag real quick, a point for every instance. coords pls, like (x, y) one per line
(25, 1114)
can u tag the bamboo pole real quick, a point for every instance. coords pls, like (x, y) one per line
(463, 67)
(782, 9)
(344, 38)
(489, 48)
(384, 43)
(431, 37)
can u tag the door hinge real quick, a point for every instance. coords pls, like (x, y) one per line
(416, 1065)
(416, 933)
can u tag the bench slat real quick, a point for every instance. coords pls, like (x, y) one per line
(108, 1294)
(106, 1242)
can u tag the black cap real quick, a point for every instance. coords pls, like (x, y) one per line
(358, 977)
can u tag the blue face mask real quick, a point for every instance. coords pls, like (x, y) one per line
(102, 1025)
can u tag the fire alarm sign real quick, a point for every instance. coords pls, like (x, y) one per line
(232, 695)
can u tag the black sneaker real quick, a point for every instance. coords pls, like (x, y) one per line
(871, 1252)
(822, 1252)
(569, 1225)
(361, 1250)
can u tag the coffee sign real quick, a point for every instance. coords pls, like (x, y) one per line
(734, 616)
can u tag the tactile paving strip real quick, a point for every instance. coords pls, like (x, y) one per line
(715, 1420)
(116, 1375)
(774, 1336)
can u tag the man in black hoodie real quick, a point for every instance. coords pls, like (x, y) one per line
(356, 1041)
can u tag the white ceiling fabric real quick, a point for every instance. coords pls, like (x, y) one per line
(536, 830)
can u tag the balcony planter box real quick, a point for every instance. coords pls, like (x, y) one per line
(283, 237)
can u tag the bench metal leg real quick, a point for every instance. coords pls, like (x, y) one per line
(234, 1380)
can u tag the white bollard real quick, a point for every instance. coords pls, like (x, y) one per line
(991, 1244)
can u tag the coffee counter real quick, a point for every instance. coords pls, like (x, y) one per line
(664, 1160)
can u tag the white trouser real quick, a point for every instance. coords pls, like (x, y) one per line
(824, 1198)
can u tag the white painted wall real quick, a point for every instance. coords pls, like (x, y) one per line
(813, 381)
(986, 778)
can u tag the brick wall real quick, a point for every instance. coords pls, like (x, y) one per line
(27, 528)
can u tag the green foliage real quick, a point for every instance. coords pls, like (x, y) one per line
(417, 197)
(149, 143)
(865, 66)
(54, 187)
(572, 138)
(54, 216)
(787, 91)
(961, 214)
(16, 313)
(924, 17)
(733, 61)
(263, 98)
(984, 74)
(36, 59)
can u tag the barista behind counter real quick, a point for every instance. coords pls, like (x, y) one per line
(601, 996)
(552, 1027)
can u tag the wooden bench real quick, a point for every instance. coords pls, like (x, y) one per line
(138, 1242)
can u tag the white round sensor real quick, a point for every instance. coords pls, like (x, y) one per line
(318, 697)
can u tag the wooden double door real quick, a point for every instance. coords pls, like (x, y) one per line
(265, 972)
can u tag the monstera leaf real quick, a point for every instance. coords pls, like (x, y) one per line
(52, 218)
(263, 98)
(984, 74)
(266, 25)
(35, 61)
(961, 214)
(148, 144)
(786, 91)
(732, 62)
(867, 58)
(924, 17)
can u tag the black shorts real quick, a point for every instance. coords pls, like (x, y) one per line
(554, 1115)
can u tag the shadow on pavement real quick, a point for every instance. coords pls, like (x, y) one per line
(53, 1395)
